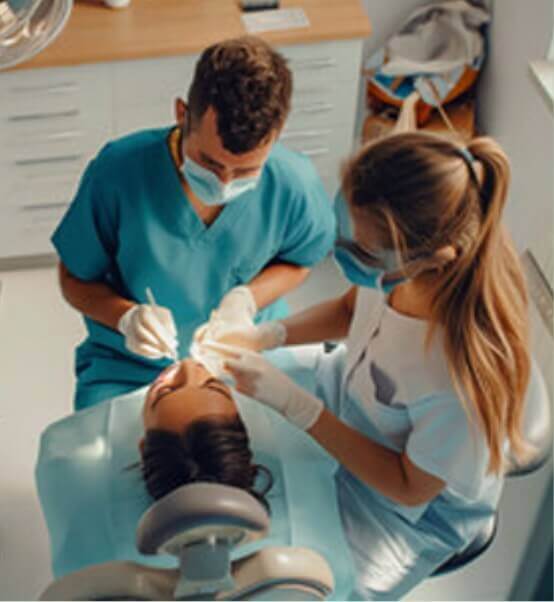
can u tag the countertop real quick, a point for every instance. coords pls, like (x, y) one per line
(158, 28)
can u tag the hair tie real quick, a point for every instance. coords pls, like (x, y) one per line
(469, 159)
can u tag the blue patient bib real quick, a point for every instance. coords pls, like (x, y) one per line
(92, 496)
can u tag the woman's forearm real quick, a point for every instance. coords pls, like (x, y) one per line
(326, 321)
(93, 299)
(275, 281)
(388, 472)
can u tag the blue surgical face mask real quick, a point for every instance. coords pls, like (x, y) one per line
(209, 188)
(364, 270)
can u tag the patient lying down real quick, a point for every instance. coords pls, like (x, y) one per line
(186, 427)
(194, 432)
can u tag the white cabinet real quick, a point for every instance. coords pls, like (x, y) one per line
(53, 121)
(145, 91)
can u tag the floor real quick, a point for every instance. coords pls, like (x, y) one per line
(39, 332)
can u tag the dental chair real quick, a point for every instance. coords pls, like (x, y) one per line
(201, 524)
(537, 429)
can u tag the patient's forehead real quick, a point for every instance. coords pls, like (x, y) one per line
(176, 410)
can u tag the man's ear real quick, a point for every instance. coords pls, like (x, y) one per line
(182, 114)
(141, 446)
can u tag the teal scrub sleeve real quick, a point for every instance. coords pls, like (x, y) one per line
(85, 239)
(311, 228)
(448, 443)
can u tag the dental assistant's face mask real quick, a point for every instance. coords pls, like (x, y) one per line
(379, 271)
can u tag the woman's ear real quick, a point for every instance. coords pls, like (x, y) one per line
(444, 256)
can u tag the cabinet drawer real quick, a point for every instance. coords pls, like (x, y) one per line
(326, 63)
(156, 115)
(42, 95)
(27, 231)
(330, 144)
(53, 136)
(159, 81)
(41, 181)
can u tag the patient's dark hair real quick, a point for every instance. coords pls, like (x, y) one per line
(214, 450)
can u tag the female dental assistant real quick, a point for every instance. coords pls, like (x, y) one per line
(209, 214)
(419, 405)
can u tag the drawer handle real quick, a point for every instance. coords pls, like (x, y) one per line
(41, 116)
(319, 63)
(61, 88)
(314, 152)
(48, 160)
(290, 135)
(45, 207)
(322, 107)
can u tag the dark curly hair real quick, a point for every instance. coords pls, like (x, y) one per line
(249, 86)
(211, 449)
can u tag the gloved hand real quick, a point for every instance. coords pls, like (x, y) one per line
(267, 335)
(258, 378)
(149, 331)
(238, 305)
(236, 310)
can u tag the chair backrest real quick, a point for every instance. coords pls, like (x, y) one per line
(537, 426)
(198, 511)
(201, 523)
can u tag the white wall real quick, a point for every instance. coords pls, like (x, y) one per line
(512, 111)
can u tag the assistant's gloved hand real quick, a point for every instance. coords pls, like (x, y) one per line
(254, 337)
(232, 323)
(149, 331)
(258, 378)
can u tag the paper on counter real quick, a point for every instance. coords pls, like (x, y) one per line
(275, 20)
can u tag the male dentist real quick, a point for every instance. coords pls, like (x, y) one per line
(211, 213)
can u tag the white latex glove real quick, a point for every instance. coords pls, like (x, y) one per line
(238, 305)
(258, 378)
(149, 331)
(236, 311)
(260, 337)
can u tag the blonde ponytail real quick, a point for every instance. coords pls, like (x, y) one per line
(487, 340)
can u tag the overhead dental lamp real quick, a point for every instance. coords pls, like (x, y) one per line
(28, 26)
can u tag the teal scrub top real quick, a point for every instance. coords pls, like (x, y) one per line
(131, 226)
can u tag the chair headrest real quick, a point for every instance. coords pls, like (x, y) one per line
(200, 511)
(537, 425)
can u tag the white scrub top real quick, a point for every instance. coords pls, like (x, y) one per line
(386, 386)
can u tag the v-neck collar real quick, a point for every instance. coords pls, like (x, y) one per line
(182, 209)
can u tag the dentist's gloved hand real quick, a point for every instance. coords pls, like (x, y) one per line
(236, 311)
(238, 305)
(258, 378)
(149, 331)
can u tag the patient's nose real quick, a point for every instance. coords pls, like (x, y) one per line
(196, 374)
